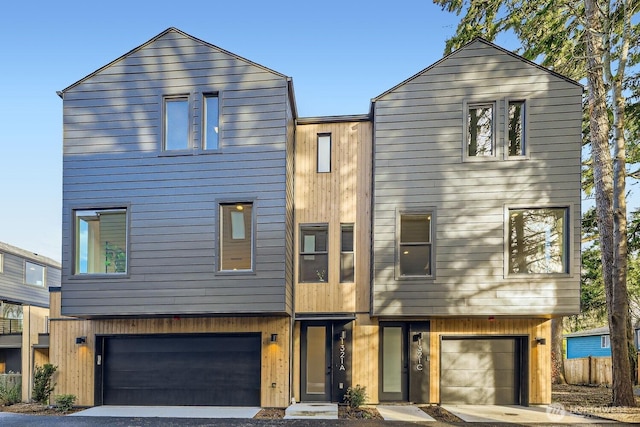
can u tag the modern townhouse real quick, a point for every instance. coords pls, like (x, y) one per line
(220, 250)
(25, 278)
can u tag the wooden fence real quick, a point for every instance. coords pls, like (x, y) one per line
(588, 370)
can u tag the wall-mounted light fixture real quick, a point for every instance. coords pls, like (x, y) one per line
(417, 337)
(343, 334)
(81, 340)
(274, 337)
(541, 341)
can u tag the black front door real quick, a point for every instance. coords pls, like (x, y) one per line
(315, 363)
(404, 361)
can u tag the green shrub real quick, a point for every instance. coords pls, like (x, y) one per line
(42, 386)
(64, 402)
(10, 394)
(355, 396)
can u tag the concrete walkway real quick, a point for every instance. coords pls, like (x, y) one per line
(317, 411)
(169, 411)
(518, 414)
(403, 413)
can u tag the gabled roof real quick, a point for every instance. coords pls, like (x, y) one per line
(603, 330)
(162, 34)
(466, 46)
(14, 250)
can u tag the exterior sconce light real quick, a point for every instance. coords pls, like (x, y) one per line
(274, 338)
(417, 337)
(541, 341)
(343, 334)
(81, 340)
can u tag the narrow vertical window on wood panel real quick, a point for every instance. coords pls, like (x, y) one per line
(347, 258)
(324, 153)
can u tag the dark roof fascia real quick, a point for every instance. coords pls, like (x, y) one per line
(162, 34)
(488, 43)
(603, 330)
(333, 119)
(292, 98)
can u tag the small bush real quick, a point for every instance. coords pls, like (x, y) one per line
(355, 396)
(10, 394)
(64, 402)
(42, 386)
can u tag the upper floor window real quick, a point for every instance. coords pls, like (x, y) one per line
(100, 241)
(480, 139)
(176, 123)
(538, 241)
(34, 274)
(1, 262)
(211, 122)
(605, 341)
(515, 128)
(324, 153)
(314, 256)
(236, 237)
(415, 244)
(347, 258)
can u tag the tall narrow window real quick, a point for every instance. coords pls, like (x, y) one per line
(480, 138)
(515, 128)
(605, 341)
(538, 241)
(346, 254)
(324, 153)
(34, 274)
(211, 122)
(176, 123)
(314, 258)
(236, 237)
(415, 245)
(1, 263)
(100, 241)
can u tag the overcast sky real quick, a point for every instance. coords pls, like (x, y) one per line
(340, 54)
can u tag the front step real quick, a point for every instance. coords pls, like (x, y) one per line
(321, 411)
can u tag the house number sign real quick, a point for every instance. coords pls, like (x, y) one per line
(343, 352)
(419, 365)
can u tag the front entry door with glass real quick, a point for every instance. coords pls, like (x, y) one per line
(404, 361)
(325, 360)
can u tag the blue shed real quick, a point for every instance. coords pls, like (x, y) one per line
(592, 342)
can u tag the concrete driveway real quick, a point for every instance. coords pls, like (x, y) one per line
(518, 414)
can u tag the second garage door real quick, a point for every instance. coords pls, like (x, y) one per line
(479, 371)
(209, 370)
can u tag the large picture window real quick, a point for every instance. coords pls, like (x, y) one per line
(236, 237)
(100, 241)
(538, 241)
(314, 257)
(415, 251)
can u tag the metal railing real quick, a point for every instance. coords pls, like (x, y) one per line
(10, 326)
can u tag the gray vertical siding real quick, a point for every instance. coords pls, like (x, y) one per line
(418, 163)
(112, 158)
(12, 277)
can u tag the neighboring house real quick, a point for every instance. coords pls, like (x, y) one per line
(220, 250)
(25, 278)
(592, 342)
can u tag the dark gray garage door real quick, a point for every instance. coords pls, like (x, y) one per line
(478, 371)
(220, 370)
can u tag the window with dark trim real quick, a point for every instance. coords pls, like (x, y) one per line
(415, 244)
(236, 237)
(1, 262)
(324, 152)
(480, 139)
(34, 274)
(538, 241)
(347, 259)
(314, 255)
(605, 341)
(211, 122)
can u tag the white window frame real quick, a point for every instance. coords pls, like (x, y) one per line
(605, 341)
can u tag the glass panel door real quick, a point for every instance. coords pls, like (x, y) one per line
(393, 363)
(316, 363)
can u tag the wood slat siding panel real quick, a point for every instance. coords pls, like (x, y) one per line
(112, 158)
(539, 373)
(339, 197)
(418, 164)
(33, 323)
(12, 279)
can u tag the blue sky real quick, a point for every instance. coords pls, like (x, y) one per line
(340, 54)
